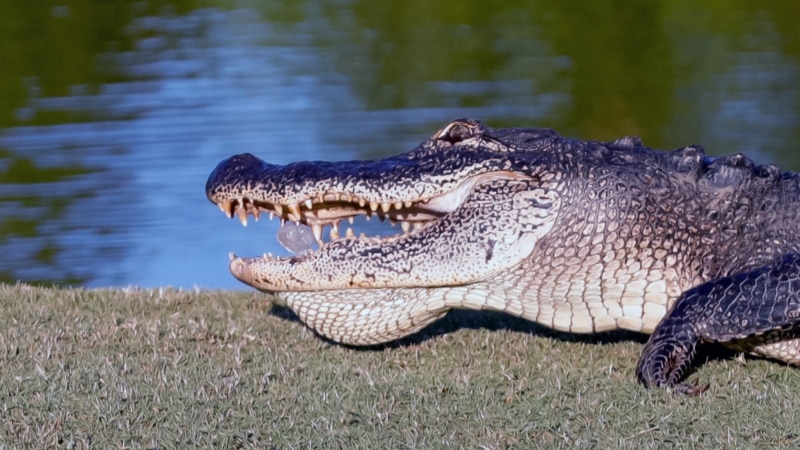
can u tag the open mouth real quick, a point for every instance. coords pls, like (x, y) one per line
(320, 218)
(330, 216)
(452, 232)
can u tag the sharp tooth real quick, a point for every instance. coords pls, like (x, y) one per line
(283, 221)
(385, 207)
(256, 213)
(398, 205)
(242, 216)
(334, 233)
(373, 206)
(418, 225)
(369, 217)
(351, 219)
(231, 256)
(271, 215)
(362, 235)
(227, 208)
(392, 222)
(320, 199)
(294, 209)
(362, 202)
(408, 204)
(309, 203)
(278, 209)
(405, 225)
(349, 233)
(345, 198)
(316, 230)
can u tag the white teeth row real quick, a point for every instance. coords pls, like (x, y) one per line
(244, 207)
(318, 228)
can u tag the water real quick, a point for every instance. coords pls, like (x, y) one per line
(112, 116)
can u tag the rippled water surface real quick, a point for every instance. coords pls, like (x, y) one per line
(113, 115)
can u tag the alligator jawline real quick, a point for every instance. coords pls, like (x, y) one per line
(330, 208)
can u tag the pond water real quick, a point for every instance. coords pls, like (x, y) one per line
(112, 114)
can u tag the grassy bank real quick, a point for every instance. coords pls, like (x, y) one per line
(165, 369)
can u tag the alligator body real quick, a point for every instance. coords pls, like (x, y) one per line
(580, 236)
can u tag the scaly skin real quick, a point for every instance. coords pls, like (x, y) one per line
(578, 236)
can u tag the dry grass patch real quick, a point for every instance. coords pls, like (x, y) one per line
(164, 369)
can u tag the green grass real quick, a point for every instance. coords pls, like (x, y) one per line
(166, 369)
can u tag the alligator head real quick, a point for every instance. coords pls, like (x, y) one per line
(472, 203)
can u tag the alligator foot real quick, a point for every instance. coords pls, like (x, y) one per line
(668, 353)
(663, 364)
(756, 312)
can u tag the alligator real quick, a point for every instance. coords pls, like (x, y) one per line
(579, 236)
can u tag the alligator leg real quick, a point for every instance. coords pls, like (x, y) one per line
(750, 311)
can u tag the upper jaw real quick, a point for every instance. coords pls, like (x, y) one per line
(432, 169)
(413, 188)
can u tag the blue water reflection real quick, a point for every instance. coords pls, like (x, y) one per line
(109, 177)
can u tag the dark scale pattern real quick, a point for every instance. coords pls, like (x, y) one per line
(745, 311)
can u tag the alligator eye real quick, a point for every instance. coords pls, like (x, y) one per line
(460, 130)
